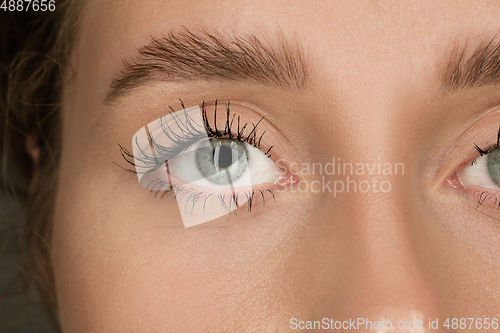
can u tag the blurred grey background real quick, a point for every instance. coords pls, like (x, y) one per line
(16, 315)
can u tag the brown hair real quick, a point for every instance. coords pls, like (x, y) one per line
(31, 82)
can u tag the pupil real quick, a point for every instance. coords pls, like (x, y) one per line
(221, 161)
(225, 157)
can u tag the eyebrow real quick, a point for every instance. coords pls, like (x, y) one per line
(478, 68)
(185, 55)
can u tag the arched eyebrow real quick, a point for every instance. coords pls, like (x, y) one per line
(473, 68)
(185, 55)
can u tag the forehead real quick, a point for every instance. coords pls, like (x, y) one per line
(347, 43)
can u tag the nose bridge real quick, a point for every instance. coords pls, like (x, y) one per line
(390, 276)
(376, 230)
(387, 282)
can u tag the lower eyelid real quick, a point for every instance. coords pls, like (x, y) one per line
(241, 193)
(483, 200)
(219, 208)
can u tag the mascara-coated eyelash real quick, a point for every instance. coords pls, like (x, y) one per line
(487, 150)
(192, 133)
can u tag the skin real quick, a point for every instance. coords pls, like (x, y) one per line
(419, 251)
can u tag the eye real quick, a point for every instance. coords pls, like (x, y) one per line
(214, 164)
(480, 180)
(222, 164)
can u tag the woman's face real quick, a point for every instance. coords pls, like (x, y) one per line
(373, 110)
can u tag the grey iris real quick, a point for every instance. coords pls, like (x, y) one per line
(222, 161)
(493, 164)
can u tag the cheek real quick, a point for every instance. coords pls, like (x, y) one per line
(118, 267)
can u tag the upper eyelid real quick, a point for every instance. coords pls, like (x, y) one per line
(490, 148)
(274, 142)
(191, 130)
(462, 150)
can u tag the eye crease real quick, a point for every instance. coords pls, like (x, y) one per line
(213, 164)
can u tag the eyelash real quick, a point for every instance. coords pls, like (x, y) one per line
(195, 134)
(192, 134)
(233, 197)
(487, 150)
